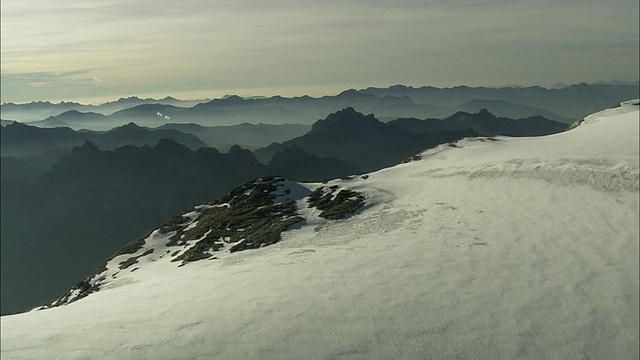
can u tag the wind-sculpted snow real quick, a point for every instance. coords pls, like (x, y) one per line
(612, 168)
(487, 248)
(601, 175)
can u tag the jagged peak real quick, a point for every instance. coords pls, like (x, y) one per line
(484, 113)
(347, 116)
(129, 98)
(237, 149)
(87, 148)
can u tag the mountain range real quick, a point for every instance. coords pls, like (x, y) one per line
(566, 104)
(39, 110)
(57, 223)
(489, 247)
(370, 144)
(18, 139)
(66, 195)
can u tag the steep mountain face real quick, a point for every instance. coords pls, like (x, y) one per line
(495, 248)
(90, 199)
(170, 174)
(347, 120)
(362, 140)
(350, 136)
(296, 164)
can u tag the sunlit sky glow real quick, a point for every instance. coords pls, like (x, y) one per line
(101, 50)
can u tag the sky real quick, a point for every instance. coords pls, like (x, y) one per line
(101, 50)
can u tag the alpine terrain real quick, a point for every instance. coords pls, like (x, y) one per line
(484, 248)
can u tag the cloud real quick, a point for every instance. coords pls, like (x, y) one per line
(252, 44)
(41, 78)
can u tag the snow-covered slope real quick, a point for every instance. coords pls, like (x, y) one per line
(490, 248)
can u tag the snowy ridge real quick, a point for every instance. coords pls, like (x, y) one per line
(504, 248)
(613, 168)
(249, 217)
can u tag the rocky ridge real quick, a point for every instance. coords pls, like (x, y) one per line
(251, 216)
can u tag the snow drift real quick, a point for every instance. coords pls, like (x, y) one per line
(488, 248)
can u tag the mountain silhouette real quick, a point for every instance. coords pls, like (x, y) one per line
(294, 163)
(566, 104)
(18, 139)
(82, 207)
(362, 140)
(486, 124)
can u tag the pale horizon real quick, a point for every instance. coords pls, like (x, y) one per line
(108, 49)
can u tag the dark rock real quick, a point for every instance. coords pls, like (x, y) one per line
(343, 204)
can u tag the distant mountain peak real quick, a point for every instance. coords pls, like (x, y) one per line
(88, 148)
(400, 87)
(168, 144)
(396, 100)
(348, 91)
(485, 113)
(354, 94)
(345, 117)
(129, 98)
(236, 149)
(131, 125)
(18, 125)
(232, 99)
(347, 113)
